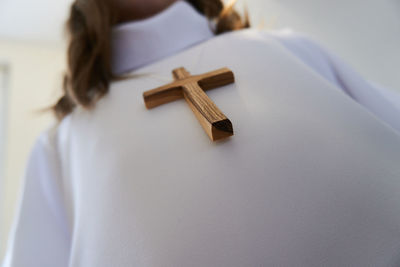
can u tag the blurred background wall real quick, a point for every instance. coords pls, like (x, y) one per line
(366, 33)
(34, 74)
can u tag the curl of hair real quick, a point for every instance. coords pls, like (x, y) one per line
(226, 17)
(89, 28)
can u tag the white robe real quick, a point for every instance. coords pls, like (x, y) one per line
(311, 177)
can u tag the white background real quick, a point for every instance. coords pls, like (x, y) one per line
(365, 33)
(3, 105)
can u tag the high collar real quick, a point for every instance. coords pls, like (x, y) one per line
(136, 44)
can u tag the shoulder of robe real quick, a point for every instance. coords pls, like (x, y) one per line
(44, 169)
(47, 140)
(382, 102)
(43, 159)
(44, 156)
(41, 211)
(307, 50)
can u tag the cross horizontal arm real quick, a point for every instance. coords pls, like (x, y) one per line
(162, 95)
(173, 91)
(216, 79)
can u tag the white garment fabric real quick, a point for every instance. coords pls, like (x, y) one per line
(311, 177)
(384, 103)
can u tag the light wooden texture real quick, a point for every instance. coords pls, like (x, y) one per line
(214, 122)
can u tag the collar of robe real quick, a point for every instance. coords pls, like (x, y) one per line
(139, 43)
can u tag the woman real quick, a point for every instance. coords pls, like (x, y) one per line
(309, 179)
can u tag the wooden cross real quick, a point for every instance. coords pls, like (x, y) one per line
(214, 122)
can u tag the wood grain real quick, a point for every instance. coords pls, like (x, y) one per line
(214, 122)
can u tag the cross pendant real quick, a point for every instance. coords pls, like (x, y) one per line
(215, 123)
